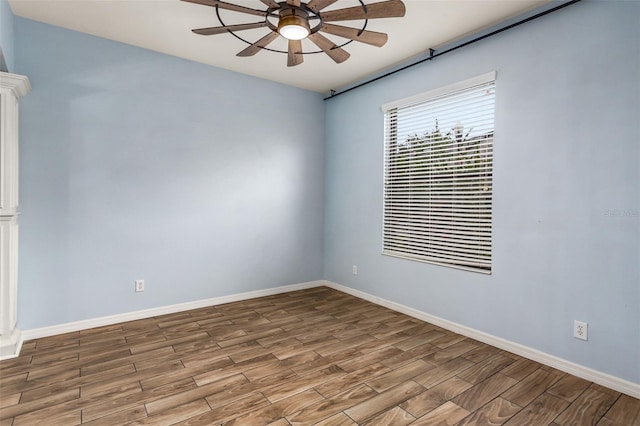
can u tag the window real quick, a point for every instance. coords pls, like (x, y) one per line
(438, 175)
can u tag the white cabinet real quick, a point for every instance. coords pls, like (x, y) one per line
(12, 87)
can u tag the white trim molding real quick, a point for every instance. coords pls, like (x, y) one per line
(70, 327)
(604, 379)
(12, 87)
(607, 380)
(18, 84)
(11, 345)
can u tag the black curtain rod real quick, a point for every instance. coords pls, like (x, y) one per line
(467, 43)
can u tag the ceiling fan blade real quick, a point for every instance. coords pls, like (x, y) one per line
(318, 5)
(383, 9)
(226, 28)
(327, 46)
(259, 45)
(369, 37)
(295, 3)
(272, 4)
(295, 53)
(229, 6)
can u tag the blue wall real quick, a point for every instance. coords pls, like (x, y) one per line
(566, 235)
(6, 36)
(137, 165)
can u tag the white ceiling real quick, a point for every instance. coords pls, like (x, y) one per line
(165, 26)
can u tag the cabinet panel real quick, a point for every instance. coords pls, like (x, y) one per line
(11, 88)
(8, 274)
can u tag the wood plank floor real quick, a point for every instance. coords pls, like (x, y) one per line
(311, 357)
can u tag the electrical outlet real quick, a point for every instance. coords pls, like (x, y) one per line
(354, 269)
(139, 285)
(580, 330)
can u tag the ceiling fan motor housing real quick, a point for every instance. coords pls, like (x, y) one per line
(293, 23)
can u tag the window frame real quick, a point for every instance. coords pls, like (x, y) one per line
(390, 219)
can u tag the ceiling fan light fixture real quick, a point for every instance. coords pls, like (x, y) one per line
(305, 19)
(293, 27)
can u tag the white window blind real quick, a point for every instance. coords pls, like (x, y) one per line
(438, 175)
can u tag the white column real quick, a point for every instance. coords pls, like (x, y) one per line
(12, 87)
(10, 338)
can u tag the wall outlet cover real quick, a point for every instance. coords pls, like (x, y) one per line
(580, 330)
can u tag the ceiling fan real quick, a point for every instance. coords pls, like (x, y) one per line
(296, 20)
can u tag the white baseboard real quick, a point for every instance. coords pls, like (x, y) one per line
(604, 379)
(69, 327)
